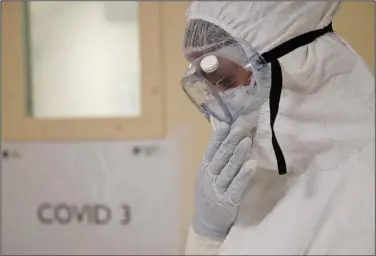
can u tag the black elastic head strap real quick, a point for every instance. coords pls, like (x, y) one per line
(295, 43)
(275, 95)
(277, 81)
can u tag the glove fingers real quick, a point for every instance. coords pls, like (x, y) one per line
(237, 187)
(226, 150)
(216, 140)
(229, 172)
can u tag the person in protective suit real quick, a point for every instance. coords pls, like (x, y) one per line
(290, 167)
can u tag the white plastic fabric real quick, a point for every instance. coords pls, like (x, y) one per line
(325, 127)
(197, 245)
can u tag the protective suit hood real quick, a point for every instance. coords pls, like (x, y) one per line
(264, 24)
(324, 114)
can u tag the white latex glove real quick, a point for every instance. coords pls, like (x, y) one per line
(221, 181)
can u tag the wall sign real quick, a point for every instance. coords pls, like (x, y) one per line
(90, 198)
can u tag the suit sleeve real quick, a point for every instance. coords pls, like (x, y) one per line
(197, 245)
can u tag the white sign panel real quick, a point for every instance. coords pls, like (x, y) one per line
(90, 198)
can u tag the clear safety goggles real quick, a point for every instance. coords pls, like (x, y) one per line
(231, 81)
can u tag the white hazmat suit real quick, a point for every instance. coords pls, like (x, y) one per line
(325, 127)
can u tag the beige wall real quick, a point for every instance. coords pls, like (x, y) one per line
(355, 21)
(180, 112)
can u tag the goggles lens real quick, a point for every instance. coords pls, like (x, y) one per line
(224, 85)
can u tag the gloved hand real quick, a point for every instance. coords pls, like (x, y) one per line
(221, 181)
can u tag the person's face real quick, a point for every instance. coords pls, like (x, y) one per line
(229, 74)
